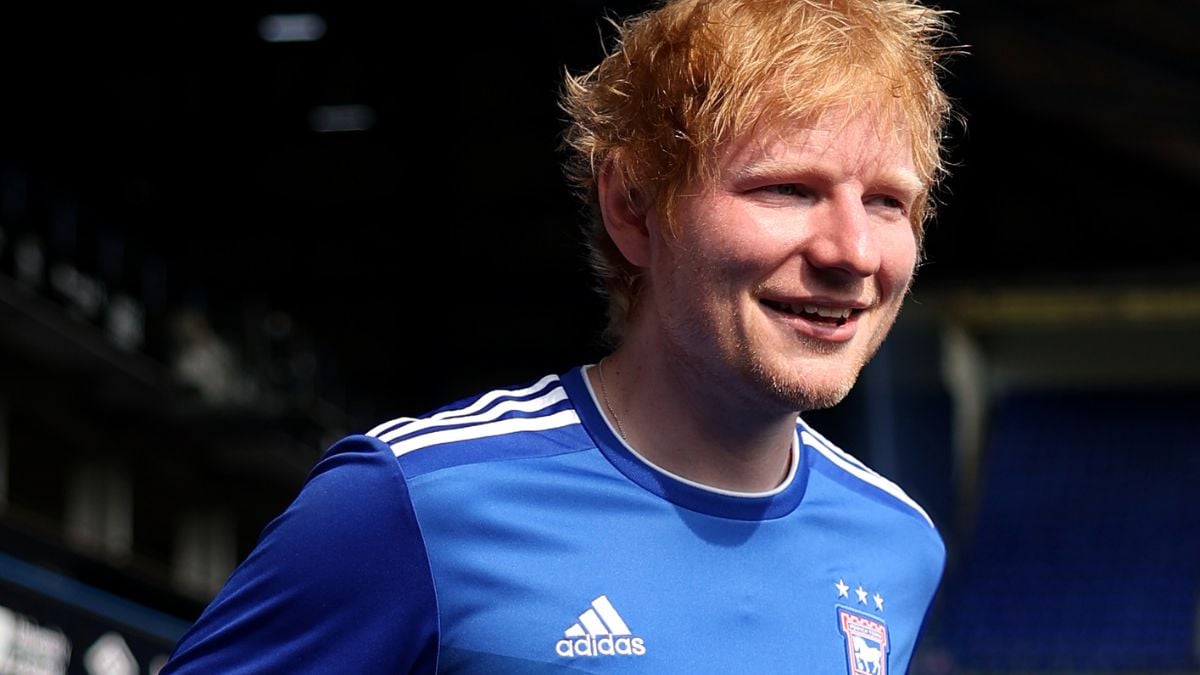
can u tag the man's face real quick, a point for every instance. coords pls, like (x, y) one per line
(789, 270)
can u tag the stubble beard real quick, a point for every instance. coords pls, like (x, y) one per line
(779, 385)
(763, 377)
(796, 390)
(793, 391)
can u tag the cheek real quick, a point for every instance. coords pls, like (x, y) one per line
(736, 248)
(715, 256)
(899, 259)
(719, 227)
(724, 270)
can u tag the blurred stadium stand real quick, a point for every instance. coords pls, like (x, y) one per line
(140, 452)
(1072, 544)
(1085, 552)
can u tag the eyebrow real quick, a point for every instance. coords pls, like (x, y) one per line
(903, 180)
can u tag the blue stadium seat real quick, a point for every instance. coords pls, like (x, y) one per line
(1085, 554)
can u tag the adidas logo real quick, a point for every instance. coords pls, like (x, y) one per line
(600, 632)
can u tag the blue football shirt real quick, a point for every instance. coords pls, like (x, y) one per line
(515, 532)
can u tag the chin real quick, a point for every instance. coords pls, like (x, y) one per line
(804, 388)
(819, 377)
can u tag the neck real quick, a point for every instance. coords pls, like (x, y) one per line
(692, 426)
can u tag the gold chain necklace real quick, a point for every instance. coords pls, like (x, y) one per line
(607, 404)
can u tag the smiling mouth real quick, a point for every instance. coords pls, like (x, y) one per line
(834, 316)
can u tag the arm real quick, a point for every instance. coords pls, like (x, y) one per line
(339, 582)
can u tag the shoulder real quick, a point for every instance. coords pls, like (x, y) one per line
(300, 601)
(530, 420)
(849, 471)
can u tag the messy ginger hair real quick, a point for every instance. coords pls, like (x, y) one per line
(684, 80)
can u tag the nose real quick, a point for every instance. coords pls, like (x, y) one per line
(841, 238)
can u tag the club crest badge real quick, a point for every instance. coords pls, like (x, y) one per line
(866, 642)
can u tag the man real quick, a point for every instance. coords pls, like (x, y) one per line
(759, 171)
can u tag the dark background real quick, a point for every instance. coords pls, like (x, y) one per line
(437, 252)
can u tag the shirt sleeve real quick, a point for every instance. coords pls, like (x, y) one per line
(339, 583)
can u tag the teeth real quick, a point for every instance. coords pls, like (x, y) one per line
(827, 312)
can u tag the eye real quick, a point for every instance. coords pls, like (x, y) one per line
(787, 190)
(889, 202)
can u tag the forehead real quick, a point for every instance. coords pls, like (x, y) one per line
(862, 144)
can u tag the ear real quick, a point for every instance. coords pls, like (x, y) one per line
(624, 219)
